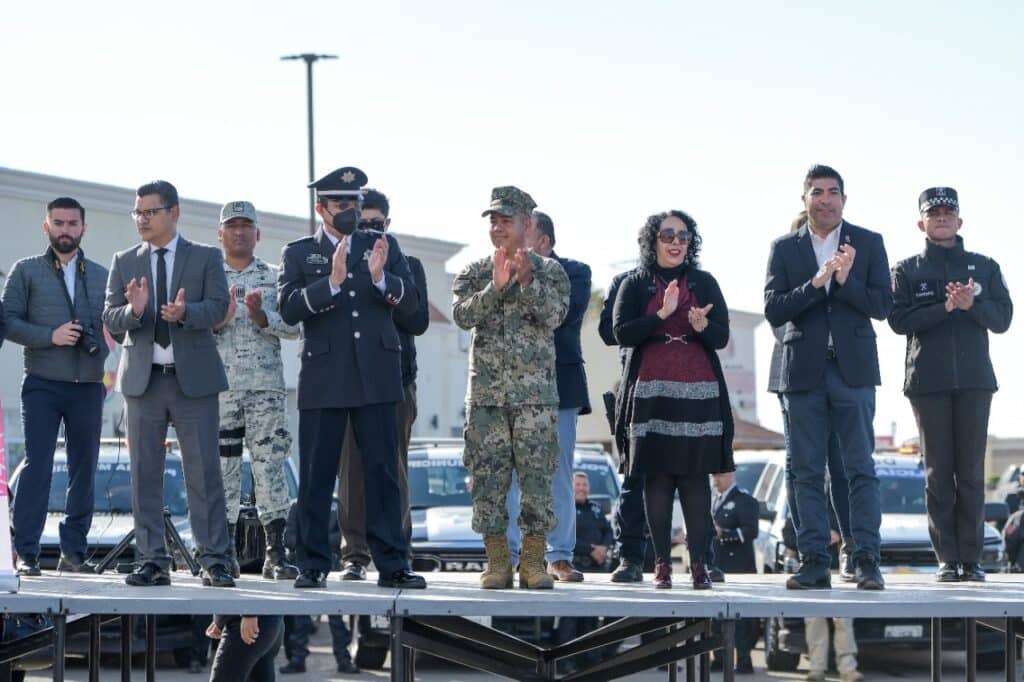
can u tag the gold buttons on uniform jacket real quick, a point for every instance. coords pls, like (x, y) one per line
(355, 313)
(356, 335)
(351, 293)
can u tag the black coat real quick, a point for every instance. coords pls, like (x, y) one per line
(633, 328)
(737, 516)
(592, 528)
(351, 353)
(569, 372)
(810, 314)
(414, 324)
(948, 351)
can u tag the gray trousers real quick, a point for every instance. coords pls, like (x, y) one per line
(196, 424)
(351, 497)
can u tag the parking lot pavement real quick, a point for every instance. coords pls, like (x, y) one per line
(893, 664)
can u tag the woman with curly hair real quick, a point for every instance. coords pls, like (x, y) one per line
(673, 422)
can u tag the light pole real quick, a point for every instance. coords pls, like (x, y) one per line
(309, 58)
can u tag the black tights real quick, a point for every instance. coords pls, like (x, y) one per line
(695, 499)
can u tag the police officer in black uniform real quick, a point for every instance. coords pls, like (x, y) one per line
(343, 284)
(946, 301)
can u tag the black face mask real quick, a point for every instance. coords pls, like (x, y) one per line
(345, 221)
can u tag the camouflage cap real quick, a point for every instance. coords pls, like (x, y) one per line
(237, 209)
(509, 201)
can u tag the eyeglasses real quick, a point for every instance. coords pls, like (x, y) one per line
(148, 213)
(375, 224)
(669, 236)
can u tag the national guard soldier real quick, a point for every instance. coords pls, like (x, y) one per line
(342, 285)
(946, 301)
(512, 301)
(253, 407)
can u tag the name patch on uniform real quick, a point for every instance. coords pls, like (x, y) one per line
(316, 259)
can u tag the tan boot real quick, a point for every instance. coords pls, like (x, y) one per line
(532, 574)
(498, 575)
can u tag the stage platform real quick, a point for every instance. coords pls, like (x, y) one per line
(439, 619)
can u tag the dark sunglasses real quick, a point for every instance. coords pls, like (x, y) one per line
(375, 224)
(670, 235)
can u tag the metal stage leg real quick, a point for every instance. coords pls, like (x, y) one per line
(971, 632)
(936, 649)
(673, 667)
(150, 648)
(401, 664)
(60, 640)
(94, 649)
(705, 658)
(126, 649)
(728, 649)
(1010, 642)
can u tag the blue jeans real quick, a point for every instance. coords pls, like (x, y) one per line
(837, 409)
(839, 487)
(45, 404)
(561, 538)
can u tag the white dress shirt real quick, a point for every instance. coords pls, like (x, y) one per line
(163, 356)
(69, 272)
(825, 247)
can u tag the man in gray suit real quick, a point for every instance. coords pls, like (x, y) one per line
(163, 298)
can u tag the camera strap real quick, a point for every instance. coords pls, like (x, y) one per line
(58, 270)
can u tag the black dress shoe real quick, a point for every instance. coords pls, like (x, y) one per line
(716, 574)
(310, 577)
(812, 575)
(292, 667)
(949, 572)
(353, 571)
(148, 575)
(75, 563)
(972, 573)
(628, 572)
(403, 578)
(348, 667)
(29, 565)
(744, 666)
(218, 575)
(847, 569)
(869, 577)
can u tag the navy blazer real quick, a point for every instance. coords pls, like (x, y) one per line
(350, 346)
(569, 372)
(810, 314)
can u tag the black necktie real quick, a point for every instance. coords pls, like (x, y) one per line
(163, 331)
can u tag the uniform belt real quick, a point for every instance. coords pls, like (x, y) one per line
(163, 369)
(830, 353)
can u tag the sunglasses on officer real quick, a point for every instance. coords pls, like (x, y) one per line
(668, 236)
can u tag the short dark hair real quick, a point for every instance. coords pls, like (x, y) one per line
(378, 200)
(649, 236)
(543, 223)
(819, 171)
(168, 192)
(65, 202)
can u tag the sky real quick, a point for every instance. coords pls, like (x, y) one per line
(604, 112)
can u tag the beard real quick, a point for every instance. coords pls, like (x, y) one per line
(65, 244)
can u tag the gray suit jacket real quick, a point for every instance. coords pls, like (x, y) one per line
(199, 270)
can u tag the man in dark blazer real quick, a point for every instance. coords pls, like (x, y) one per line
(735, 513)
(355, 553)
(163, 299)
(825, 283)
(342, 284)
(573, 400)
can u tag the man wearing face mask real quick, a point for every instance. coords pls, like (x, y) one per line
(343, 285)
(351, 503)
(54, 306)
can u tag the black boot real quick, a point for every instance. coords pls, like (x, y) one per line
(233, 568)
(275, 567)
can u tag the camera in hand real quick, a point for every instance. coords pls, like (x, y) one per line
(87, 339)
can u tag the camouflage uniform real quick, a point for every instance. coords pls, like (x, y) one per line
(512, 399)
(253, 407)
